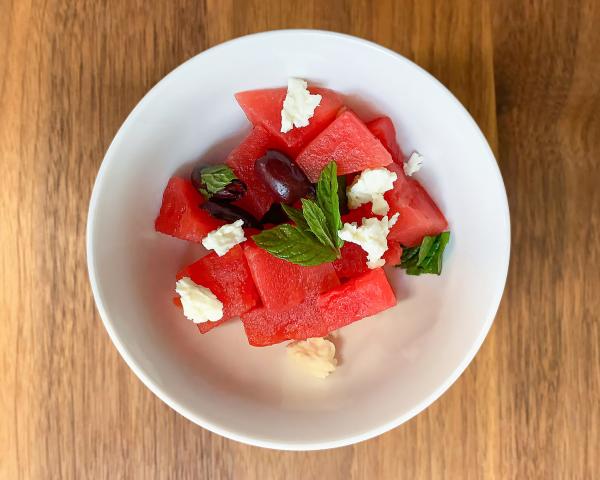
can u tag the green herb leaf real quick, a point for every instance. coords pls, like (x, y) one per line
(342, 196)
(410, 257)
(315, 218)
(215, 179)
(289, 243)
(296, 216)
(314, 240)
(327, 198)
(426, 258)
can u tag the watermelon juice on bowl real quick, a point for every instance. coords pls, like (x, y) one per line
(303, 256)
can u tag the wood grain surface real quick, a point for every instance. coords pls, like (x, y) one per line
(527, 407)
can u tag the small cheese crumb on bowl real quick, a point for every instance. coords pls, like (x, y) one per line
(315, 356)
(413, 164)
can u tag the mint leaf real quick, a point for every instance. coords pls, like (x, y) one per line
(327, 198)
(296, 216)
(315, 218)
(215, 179)
(427, 257)
(314, 240)
(342, 196)
(410, 257)
(289, 243)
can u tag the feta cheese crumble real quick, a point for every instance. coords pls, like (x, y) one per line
(198, 302)
(413, 164)
(370, 186)
(299, 105)
(316, 356)
(224, 238)
(371, 236)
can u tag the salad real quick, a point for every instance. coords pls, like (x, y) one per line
(299, 221)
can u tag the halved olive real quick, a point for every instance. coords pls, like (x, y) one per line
(229, 213)
(283, 177)
(231, 192)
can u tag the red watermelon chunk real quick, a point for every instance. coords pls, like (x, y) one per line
(349, 142)
(258, 199)
(384, 130)
(363, 296)
(357, 214)
(393, 254)
(228, 277)
(419, 215)
(263, 107)
(354, 259)
(264, 326)
(180, 215)
(282, 284)
(352, 263)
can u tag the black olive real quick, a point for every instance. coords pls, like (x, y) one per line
(275, 215)
(230, 193)
(229, 213)
(283, 177)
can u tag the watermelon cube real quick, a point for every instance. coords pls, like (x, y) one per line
(228, 277)
(357, 214)
(419, 215)
(263, 107)
(393, 254)
(282, 284)
(362, 296)
(258, 198)
(180, 215)
(264, 326)
(349, 142)
(384, 130)
(353, 261)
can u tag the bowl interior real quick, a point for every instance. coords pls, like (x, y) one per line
(392, 365)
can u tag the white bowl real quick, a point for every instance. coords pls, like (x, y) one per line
(393, 365)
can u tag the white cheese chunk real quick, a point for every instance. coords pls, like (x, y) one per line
(224, 238)
(413, 164)
(198, 302)
(370, 186)
(316, 356)
(371, 236)
(299, 105)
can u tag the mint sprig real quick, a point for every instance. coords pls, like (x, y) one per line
(315, 218)
(314, 239)
(296, 216)
(215, 179)
(328, 200)
(342, 194)
(427, 257)
(289, 243)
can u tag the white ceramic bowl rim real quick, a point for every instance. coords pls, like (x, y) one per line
(220, 428)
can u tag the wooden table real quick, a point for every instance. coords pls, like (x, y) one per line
(527, 407)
